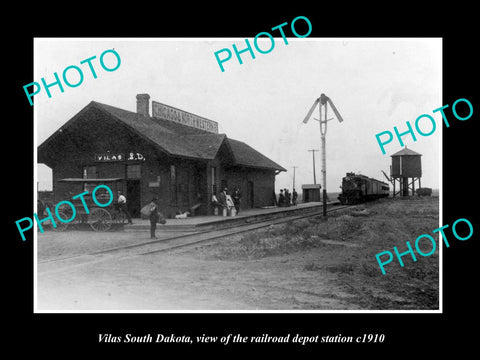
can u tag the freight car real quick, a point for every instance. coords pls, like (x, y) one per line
(360, 188)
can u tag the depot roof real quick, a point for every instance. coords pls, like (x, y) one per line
(176, 139)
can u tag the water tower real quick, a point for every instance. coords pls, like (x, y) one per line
(406, 169)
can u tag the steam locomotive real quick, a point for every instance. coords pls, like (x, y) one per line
(360, 188)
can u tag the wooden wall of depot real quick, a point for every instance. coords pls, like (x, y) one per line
(176, 192)
(180, 191)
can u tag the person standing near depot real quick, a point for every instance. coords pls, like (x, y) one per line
(236, 198)
(281, 198)
(154, 216)
(294, 197)
(122, 206)
(222, 198)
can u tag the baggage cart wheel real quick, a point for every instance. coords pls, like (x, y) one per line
(61, 226)
(100, 219)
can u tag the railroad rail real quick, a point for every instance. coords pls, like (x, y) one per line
(168, 244)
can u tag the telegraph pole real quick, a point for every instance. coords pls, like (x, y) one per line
(294, 167)
(314, 175)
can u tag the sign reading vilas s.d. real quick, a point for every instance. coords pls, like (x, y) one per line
(111, 157)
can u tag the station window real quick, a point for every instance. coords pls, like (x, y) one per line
(89, 172)
(133, 171)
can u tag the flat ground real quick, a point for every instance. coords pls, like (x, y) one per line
(308, 264)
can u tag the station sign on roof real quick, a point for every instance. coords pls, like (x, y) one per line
(166, 112)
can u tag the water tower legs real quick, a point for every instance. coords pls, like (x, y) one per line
(405, 185)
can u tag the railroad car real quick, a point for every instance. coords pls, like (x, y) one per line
(360, 188)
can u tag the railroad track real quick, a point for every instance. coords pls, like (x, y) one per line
(168, 244)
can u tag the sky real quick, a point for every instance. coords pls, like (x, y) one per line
(375, 83)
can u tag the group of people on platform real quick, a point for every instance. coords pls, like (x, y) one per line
(286, 198)
(225, 201)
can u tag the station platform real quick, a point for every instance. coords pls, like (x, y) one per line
(196, 223)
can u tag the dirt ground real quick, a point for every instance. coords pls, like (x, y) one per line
(308, 264)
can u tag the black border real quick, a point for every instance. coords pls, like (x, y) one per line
(404, 332)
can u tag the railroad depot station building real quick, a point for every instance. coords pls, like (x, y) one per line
(175, 156)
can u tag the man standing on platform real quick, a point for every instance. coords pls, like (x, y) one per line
(122, 206)
(281, 198)
(222, 198)
(236, 198)
(154, 216)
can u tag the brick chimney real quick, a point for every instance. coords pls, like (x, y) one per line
(143, 104)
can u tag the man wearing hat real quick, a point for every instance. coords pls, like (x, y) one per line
(154, 216)
(236, 199)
